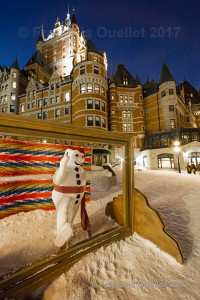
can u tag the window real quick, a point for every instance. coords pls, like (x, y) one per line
(97, 104)
(97, 121)
(89, 87)
(112, 97)
(163, 93)
(125, 81)
(57, 85)
(67, 96)
(141, 98)
(6, 87)
(57, 98)
(39, 115)
(33, 104)
(12, 108)
(89, 103)
(96, 88)
(40, 103)
(171, 92)
(130, 99)
(125, 99)
(121, 98)
(45, 101)
(28, 105)
(67, 111)
(95, 58)
(44, 115)
(103, 106)
(82, 88)
(90, 121)
(172, 123)
(52, 86)
(171, 107)
(14, 84)
(3, 109)
(6, 98)
(14, 75)
(142, 112)
(112, 112)
(125, 127)
(22, 107)
(96, 70)
(52, 100)
(13, 96)
(82, 70)
(57, 113)
(103, 90)
(103, 122)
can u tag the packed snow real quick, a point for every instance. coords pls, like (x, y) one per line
(133, 268)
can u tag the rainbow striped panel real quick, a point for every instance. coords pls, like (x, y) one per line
(27, 158)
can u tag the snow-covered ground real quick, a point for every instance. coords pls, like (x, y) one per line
(130, 269)
(135, 268)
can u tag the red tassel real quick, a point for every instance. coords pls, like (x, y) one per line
(85, 222)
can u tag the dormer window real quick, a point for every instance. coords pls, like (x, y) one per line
(125, 81)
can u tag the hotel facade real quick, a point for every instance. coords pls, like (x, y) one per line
(66, 80)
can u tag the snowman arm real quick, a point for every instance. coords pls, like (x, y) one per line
(61, 171)
(97, 173)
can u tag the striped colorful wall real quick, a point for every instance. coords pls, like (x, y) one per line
(19, 158)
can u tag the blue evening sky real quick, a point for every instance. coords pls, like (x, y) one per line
(137, 33)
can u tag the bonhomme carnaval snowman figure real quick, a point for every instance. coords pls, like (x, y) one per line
(68, 193)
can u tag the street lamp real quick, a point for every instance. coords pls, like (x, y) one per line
(177, 150)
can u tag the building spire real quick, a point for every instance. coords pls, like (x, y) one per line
(73, 21)
(41, 35)
(15, 64)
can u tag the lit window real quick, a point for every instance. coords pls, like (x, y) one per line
(96, 88)
(14, 84)
(6, 87)
(33, 104)
(172, 123)
(113, 128)
(6, 98)
(57, 113)
(67, 96)
(39, 115)
(121, 98)
(89, 87)
(95, 58)
(112, 112)
(130, 99)
(22, 107)
(89, 104)
(82, 88)
(125, 99)
(57, 98)
(13, 96)
(112, 97)
(39, 103)
(125, 81)
(14, 75)
(90, 121)
(52, 100)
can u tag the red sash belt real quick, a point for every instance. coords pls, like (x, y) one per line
(69, 189)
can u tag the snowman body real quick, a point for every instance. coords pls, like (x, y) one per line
(70, 182)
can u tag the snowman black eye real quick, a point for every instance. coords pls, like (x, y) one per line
(76, 155)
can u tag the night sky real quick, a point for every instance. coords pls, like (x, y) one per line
(137, 33)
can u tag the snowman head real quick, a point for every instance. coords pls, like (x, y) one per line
(76, 157)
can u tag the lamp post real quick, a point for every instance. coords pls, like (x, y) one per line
(177, 150)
